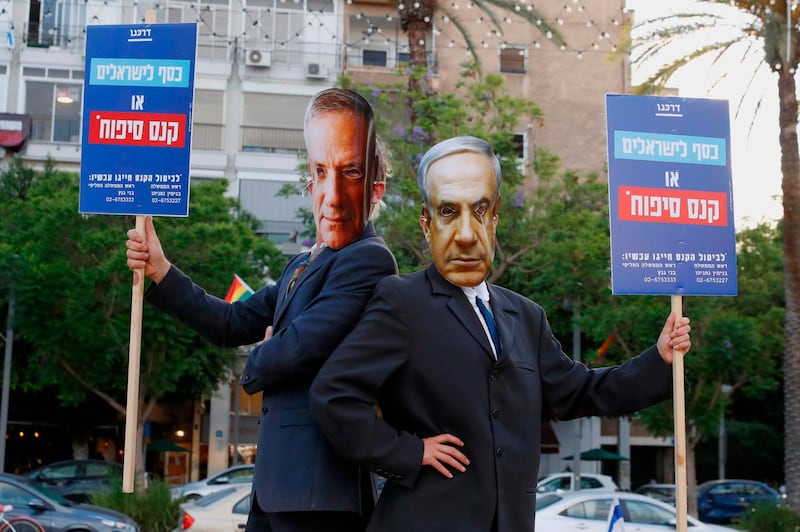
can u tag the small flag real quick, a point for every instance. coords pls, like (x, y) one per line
(603, 349)
(239, 291)
(616, 523)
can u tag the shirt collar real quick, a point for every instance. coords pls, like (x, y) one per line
(481, 292)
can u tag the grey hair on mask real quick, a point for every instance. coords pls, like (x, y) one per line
(449, 147)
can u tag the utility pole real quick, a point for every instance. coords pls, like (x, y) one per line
(6, 379)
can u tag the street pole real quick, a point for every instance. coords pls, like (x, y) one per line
(576, 356)
(722, 439)
(721, 447)
(6, 380)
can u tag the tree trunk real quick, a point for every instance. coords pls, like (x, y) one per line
(790, 169)
(416, 21)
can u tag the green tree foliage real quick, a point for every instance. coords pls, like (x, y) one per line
(73, 289)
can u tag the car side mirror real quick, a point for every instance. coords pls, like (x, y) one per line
(38, 504)
(222, 480)
(673, 522)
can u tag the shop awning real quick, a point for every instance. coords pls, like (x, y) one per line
(14, 130)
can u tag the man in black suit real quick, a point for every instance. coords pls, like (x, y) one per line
(300, 484)
(462, 393)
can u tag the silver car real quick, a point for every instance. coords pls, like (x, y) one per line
(238, 474)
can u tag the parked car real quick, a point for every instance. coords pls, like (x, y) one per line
(722, 501)
(233, 475)
(55, 513)
(587, 511)
(662, 492)
(225, 510)
(559, 482)
(76, 479)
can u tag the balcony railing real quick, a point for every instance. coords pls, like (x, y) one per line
(72, 37)
(64, 130)
(272, 139)
(207, 137)
(204, 136)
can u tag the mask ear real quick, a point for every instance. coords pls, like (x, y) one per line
(425, 223)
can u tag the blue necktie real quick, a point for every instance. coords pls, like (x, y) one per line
(489, 319)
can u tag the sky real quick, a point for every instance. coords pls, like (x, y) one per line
(755, 152)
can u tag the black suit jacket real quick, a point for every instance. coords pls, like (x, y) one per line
(296, 469)
(421, 353)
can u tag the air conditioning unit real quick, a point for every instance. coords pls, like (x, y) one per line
(316, 71)
(258, 58)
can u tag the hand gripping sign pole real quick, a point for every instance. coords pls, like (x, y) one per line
(134, 357)
(135, 148)
(679, 411)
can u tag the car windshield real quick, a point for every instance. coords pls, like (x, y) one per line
(213, 497)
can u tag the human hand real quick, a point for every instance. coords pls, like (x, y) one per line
(145, 252)
(439, 452)
(267, 334)
(674, 337)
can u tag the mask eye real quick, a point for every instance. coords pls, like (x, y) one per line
(446, 212)
(481, 210)
(353, 174)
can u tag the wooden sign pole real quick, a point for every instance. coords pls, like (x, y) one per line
(134, 356)
(679, 411)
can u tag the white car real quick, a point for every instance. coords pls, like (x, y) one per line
(238, 474)
(222, 511)
(559, 482)
(587, 511)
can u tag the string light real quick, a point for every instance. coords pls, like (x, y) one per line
(259, 21)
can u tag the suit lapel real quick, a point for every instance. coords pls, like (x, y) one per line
(311, 271)
(505, 316)
(460, 306)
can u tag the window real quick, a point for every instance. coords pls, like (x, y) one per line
(56, 23)
(243, 506)
(645, 513)
(512, 59)
(520, 145)
(594, 509)
(588, 483)
(55, 110)
(374, 58)
(14, 496)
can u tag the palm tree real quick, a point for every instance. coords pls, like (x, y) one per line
(768, 27)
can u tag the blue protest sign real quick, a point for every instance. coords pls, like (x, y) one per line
(670, 196)
(137, 119)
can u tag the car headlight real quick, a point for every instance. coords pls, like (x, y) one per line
(118, 525)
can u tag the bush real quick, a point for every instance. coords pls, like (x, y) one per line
(153, 509)
(771, 519)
